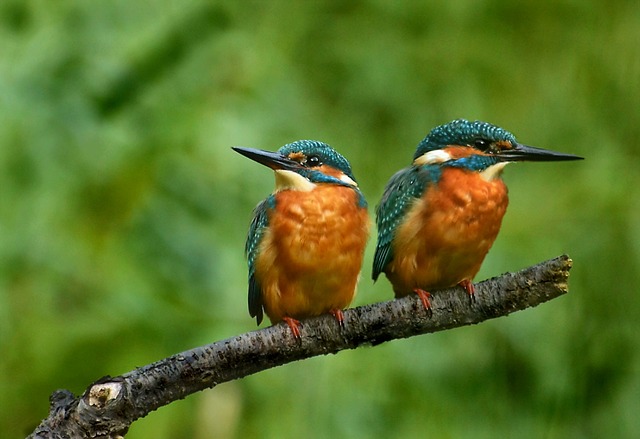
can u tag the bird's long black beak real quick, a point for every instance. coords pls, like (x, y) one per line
(273, 160)
(524, 153)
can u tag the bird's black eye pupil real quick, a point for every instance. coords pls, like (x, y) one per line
(313, 161)
(481, 144)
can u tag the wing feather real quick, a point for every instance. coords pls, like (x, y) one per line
(257, 228)
(403, 188)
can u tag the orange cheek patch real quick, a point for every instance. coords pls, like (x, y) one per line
(503, 144)
(297, 156)
(328, 170)
(458, 152)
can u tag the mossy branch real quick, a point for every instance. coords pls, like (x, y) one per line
(110, 405)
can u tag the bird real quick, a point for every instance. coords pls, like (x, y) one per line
(306, 240)
(438, 218)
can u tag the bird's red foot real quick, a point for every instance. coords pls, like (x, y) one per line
(469, 288)
(294, 325)
(424, 298)
(337, 313)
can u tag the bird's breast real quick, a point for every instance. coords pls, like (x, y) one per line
(311, 254)
(316, 227)
(448, 231)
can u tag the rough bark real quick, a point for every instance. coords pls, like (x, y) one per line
(109, 406)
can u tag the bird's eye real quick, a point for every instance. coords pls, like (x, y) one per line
(313, 161)
(482, 144)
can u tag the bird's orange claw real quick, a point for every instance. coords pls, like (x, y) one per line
(337, 313)
(469, 288)
(424, 298)
(294, 325)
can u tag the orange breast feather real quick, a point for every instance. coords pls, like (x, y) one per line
(310, 257)
(448, 232)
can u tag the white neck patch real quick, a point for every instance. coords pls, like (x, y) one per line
(432, 157)
(493, 171)
(292, 181)
(349, 181)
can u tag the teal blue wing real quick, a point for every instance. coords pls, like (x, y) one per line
(256, 231)
(402, 189)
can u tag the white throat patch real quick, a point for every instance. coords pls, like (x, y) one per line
(293, 181)
(493, 171)
(349, 181)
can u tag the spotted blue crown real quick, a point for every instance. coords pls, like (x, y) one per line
(327, 154)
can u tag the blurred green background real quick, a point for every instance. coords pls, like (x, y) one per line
(123, 210)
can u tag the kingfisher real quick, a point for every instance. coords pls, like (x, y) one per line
(438, 218)
(306, 241)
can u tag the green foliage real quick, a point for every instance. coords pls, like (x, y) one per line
(123, 210)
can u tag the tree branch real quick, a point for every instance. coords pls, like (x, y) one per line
(110, 405)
